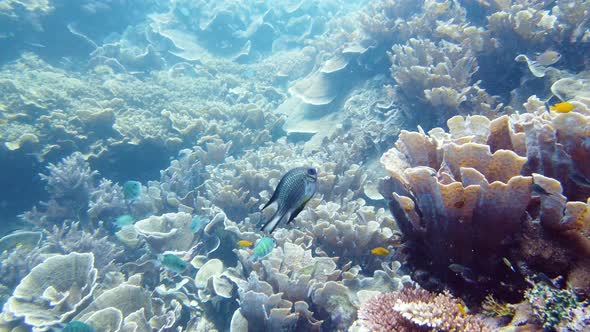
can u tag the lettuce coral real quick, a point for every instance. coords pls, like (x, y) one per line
(54, 290)
(466, 203)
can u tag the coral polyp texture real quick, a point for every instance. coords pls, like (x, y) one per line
(416, 310)
(481, 206)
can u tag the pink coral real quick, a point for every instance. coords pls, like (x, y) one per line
(417, 310)
(377, 314)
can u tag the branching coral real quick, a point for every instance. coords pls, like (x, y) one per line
(416, 310)
(71, 238)
(106, 202)
(467, 202)
(530, 23)
(70, 184)
(15, 264)
(71, 179)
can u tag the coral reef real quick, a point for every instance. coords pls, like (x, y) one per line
(16, 263)
(442, 188)
(557, 309)
(167, 232)
(70, 184)
(205, 105)
(416, 310)
(439, 73)
(70, 238)
(54, 290)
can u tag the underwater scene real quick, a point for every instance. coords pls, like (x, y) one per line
(294, 165)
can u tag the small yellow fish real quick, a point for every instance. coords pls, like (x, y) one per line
(245, 243)
(462, 309)
(380, 251)
(564, 107)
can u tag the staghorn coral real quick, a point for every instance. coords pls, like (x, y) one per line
(443, 186)
(416, 310)
(71, 238)
(70, 180)
(15, 264)
(70, 184)
(106, 202)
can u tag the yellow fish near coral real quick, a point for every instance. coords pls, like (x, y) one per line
(564, 107)
(462, 308)
(245, 243)
(380, 251)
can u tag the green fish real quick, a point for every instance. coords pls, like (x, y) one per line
(77, 326)
(124, 220)
(131, 190)
(262, 248)
(294, 190)
(172, 263)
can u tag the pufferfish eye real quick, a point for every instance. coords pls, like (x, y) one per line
(311, 171)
